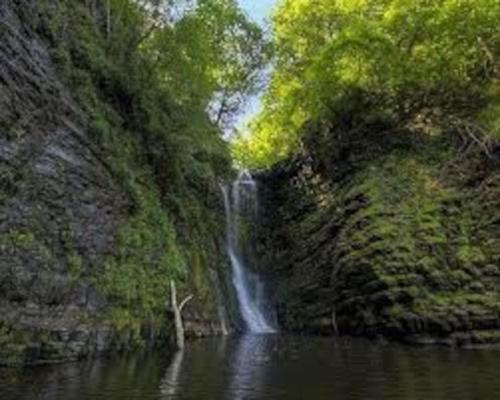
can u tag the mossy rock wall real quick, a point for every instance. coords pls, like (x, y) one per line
(387, 234)
(90, 234)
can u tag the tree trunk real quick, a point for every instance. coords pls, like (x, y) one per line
(177, 310)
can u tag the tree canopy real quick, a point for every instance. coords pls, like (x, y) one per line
(178, 72)
(408, 55)
(207, 52)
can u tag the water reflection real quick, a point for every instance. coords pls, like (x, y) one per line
(249, 367)
(276, 367)
(269, 367)
(170, 383)
(125, 377)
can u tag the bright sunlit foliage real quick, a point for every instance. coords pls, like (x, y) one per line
(428, 51)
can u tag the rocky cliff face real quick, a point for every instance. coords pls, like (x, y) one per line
(76, 249)
(370, 235)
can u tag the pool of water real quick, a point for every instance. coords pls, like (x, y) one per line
(269, 367)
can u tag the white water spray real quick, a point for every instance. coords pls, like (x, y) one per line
(241, 199)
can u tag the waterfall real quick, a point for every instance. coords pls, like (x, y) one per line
(240, 199)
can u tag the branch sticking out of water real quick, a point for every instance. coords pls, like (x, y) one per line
(177, 310)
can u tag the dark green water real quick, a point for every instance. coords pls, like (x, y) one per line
(270, 367)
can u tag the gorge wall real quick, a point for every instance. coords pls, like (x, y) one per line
(90, 231)
(377, 231)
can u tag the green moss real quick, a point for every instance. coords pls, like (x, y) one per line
(471, 254)
(123, 320)
(14, 344)
(396, 311)
(148, 256)
(75, 263)
(22, 238)
(27, 240)
(418, 233)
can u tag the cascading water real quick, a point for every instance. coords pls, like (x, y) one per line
(241, 200)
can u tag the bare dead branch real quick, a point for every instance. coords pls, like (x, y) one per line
(185, 301)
